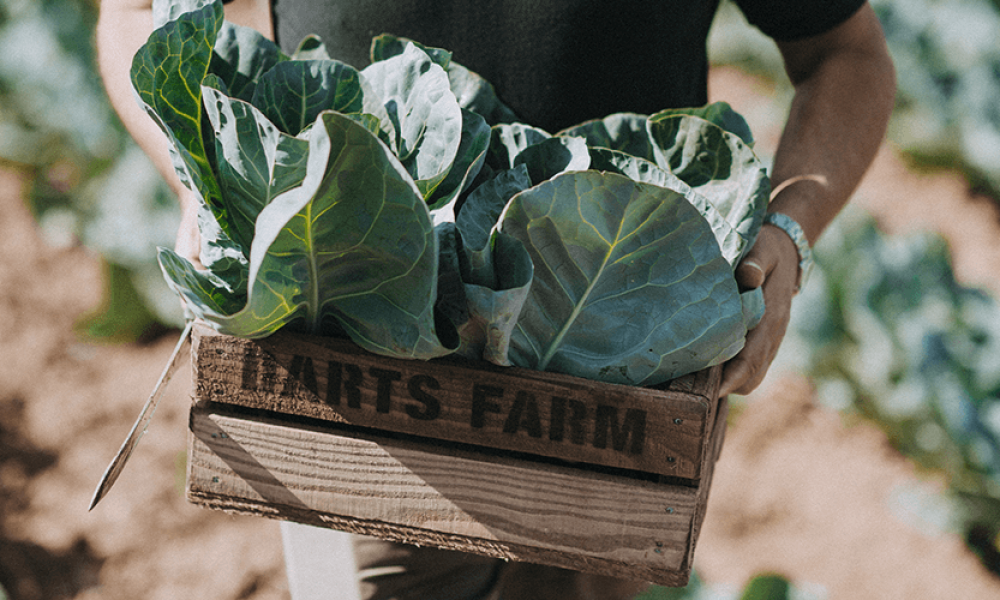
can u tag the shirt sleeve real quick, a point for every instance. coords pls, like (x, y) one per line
(789, 20)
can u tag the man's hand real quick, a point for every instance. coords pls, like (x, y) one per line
(772, 263)
(844, 90)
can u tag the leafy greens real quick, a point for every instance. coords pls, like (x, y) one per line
(403, 205)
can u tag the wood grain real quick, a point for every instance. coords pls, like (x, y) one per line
(408, 491)
(662, 431)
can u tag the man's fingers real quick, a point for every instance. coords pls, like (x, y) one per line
(750, 274)
(734, 374)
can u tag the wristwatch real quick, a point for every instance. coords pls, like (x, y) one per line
(794, 231)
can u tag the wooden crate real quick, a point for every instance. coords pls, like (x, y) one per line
(504, 462)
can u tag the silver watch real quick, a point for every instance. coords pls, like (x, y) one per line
(794, 231)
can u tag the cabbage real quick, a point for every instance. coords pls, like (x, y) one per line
(403, 206)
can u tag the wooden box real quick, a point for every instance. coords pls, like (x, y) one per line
(504, 462)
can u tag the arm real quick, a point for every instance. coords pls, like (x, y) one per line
(122, 28)
(844, 92)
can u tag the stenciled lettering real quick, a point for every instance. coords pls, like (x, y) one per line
(482, 403)
(301, 373)
(429, 407)
(576, 421)
(383, 387)
(421, 398)
(268, 373)
(251, 364)
(524, 413)
(632, 428)
(338, 385)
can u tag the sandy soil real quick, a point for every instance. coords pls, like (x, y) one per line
(797, 491)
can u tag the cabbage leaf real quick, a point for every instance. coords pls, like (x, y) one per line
(404, 206)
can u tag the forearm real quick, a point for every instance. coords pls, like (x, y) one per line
(844, 91)
(843, 99)
(123, 27)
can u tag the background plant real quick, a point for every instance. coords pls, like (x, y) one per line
(87, 181)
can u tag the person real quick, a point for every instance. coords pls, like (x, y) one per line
(557, 63)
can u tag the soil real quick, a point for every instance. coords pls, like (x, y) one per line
(798, 490)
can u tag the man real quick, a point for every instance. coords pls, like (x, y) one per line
(559, 62)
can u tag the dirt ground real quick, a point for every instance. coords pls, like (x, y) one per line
(797, 491)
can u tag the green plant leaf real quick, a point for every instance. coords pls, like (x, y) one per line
(452, 303)
(625, 132)
(629, 284)
(720, 114)
(731, 241)
(241, 56)
(554, 155)
(293, 93)
(478, 219)
(165, 11)
(508, 141)
(472, 91)
(255, 161)
(311, 48)
(352, 249)
(718, 165)
(469, 159)
(206, 296)
(424, 118)
(387, 46)
(166, 74)
(493, 311)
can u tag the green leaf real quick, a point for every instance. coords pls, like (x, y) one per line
(555, 155)
(293, 93)
(493, 312)
(387, 46)
(629, 284)
(423, 116)
(509, 140)
(472, 91)
(351, 249)
(241, 56)
(451, 300)
(165, 11)
(166, 74)
(731, 241)
(311, 48)
(720, 114)
(718, 165)
(254, 160)
(478, 219)
(625, 132)
(205, 294)
(469, 158)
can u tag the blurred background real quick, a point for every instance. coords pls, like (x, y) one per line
(867, 465)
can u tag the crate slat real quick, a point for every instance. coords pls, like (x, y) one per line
(654, 431)
(407, 491)
(268, 439)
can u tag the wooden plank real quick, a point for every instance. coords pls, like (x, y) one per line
(409, 491)
(662, 431)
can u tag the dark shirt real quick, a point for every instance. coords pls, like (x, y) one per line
(557, 63)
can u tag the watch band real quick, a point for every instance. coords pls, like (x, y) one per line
(794, 231)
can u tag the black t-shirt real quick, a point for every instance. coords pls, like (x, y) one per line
(557, 63)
